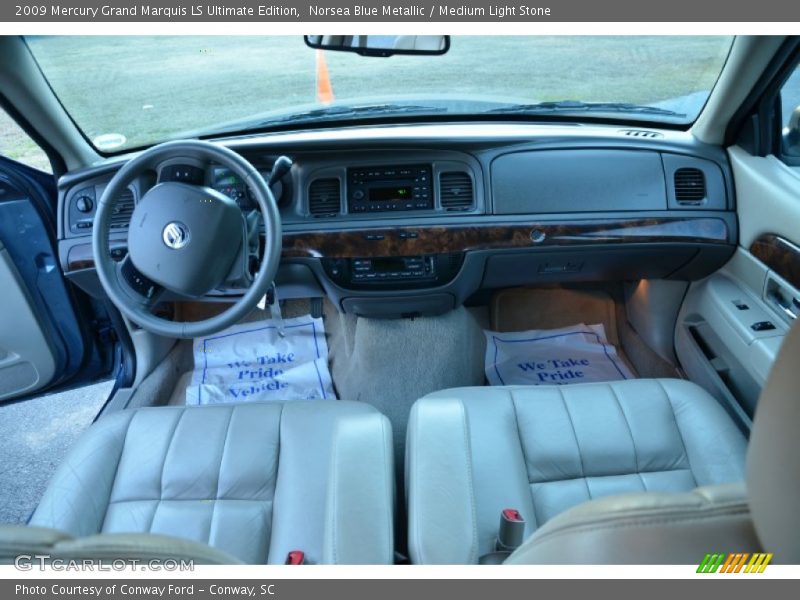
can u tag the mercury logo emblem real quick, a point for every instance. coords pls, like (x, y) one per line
(175, 235)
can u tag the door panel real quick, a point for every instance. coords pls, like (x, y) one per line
(732, 324)
(718, 340)
(27, 360)
(41, 341)
(767, 197)
(768, 205)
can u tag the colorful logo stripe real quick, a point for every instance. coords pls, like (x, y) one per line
(735, 562)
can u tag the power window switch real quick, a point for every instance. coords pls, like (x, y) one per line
(762, 326)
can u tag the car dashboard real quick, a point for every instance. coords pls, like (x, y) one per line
(410, 220)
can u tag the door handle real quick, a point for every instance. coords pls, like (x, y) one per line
(783, 305)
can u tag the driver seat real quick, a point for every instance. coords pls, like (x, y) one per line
(252, 481)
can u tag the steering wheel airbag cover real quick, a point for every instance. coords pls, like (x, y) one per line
(107, 271)
(185, 237)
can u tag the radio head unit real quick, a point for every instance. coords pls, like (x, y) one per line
(378, 189)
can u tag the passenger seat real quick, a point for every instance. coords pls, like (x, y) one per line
(638, 471)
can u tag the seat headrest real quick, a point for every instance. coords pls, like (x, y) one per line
(773, 458)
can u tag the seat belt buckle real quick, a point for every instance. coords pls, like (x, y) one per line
(512, 530)
(296, 557)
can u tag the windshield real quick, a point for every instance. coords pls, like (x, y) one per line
(128, 91)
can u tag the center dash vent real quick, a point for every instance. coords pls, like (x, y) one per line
(642, 133)
(455, 190)
(690, 186)
(324, 197)
(123, 210)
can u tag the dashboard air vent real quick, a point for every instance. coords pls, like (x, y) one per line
(455, 190)
(324, 197)
(690, 186)
(642, 133)
(123, 210)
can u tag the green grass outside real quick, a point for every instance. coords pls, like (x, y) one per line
(151, 88)
(15, 144)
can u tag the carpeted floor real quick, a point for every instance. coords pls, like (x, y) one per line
(35, 435)
(390, 363)
(554, 307)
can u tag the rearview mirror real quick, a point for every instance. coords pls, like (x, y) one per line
(381, 45)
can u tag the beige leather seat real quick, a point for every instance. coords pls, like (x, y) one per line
(28, 543)
(252, 481)
(643, 471)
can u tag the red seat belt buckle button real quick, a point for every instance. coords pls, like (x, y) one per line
(512, 514)
(511, 531)
(295, 557)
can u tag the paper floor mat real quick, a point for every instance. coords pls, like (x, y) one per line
(251, 362)
(576, 354)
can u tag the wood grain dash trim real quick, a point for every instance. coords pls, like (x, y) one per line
(439, 239)
(399, 241)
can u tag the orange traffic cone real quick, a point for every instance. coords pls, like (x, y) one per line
(324, 87)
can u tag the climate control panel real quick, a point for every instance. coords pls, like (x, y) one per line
(393, 271)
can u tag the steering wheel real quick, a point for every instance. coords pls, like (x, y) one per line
(187, 239)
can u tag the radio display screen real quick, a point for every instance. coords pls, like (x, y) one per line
(390, 194)
(387, 265)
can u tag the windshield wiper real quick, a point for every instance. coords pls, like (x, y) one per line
(576, 106)
(338, 112)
